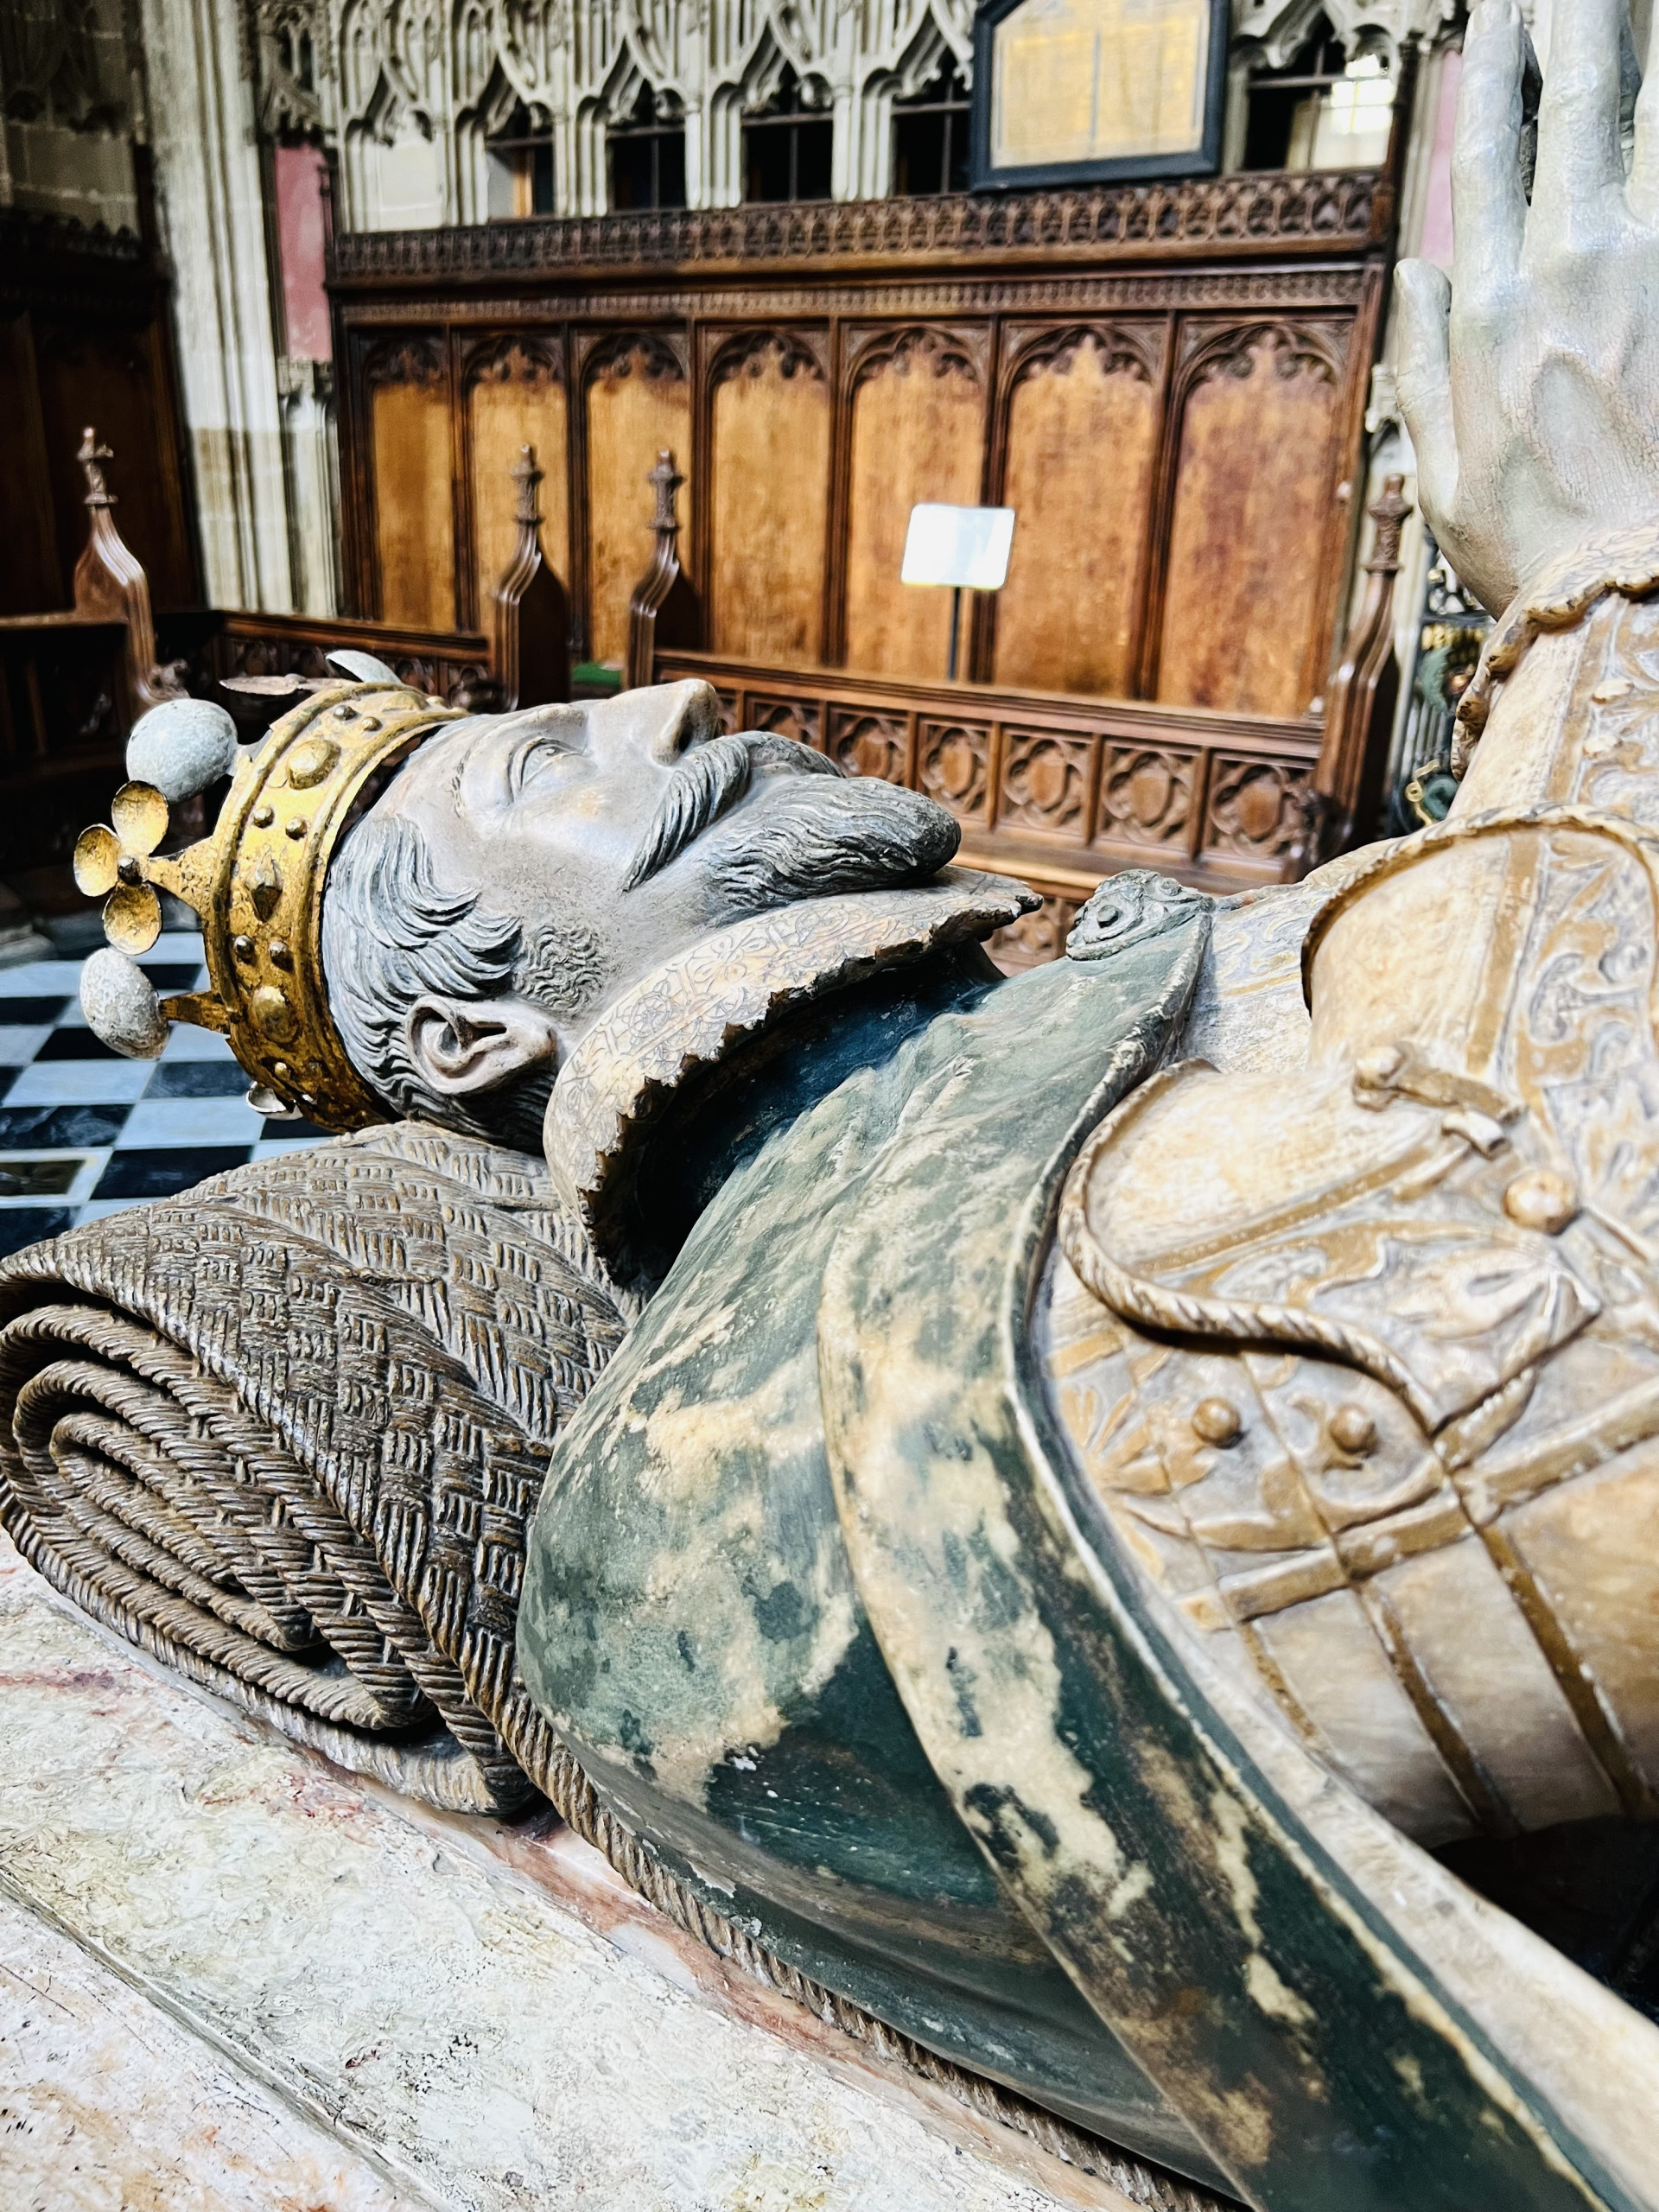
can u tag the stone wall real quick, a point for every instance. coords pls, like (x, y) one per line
(71, 93)
(400, 99)
(410, 95)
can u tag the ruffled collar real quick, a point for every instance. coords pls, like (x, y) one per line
(724, 991)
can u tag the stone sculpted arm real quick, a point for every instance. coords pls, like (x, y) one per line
(1530, 383)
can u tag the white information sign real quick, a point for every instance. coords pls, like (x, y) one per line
(965, 546)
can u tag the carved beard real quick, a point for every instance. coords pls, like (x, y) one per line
(707, 781)
(809, 840)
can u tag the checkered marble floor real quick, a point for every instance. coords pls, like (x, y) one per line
(84, 1133)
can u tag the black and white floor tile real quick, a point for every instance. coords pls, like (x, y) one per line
(84, 1133)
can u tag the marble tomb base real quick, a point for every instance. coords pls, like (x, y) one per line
(234, 1979)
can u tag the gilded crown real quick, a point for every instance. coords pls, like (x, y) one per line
(256, 882)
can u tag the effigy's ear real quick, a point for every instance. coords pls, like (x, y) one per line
(463, 1046)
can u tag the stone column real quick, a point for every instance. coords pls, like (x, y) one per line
(313, 490)
(211, 210)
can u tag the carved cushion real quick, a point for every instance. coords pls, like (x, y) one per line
(287, 1431)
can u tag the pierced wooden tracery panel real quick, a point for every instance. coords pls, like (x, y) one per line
(799, 718)
(770, 412)
(1259, 416)
(954, 767)
(515, 398)
(1145, 795)
(918, 434)
(1036, 938)
(1045, 778)
(1082, 442)
(1258, 810)
(638, 404)
(867, 742)
(408, 385)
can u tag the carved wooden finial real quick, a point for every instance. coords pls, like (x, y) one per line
(1359, 710)
(664, 591)
(527, 514)
(1389, 512)
(111, 586)
(531, 662)
(99, 493)
(666, 480)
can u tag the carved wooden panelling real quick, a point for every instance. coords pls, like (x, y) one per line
(515, 398)
(918, 415)
(1066, 618)
(771, 408)
(1251, 529)
(1079, 790)
(1145, 795)
(298, 644)
(112, 379)
(869, 743)
(797, 718)
(1329, 211)
(638, 404)
(953, 765)
(1035, 937)
(1172, 430)
(730, 712)
(1045, 778)
(1258, 808)
(409, 401)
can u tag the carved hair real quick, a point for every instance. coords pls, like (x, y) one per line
(393, 933)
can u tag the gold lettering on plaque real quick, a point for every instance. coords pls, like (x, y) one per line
(1090, 80)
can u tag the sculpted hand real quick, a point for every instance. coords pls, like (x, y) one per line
(1530, 384)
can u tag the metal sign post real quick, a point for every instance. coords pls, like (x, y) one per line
(966, 548)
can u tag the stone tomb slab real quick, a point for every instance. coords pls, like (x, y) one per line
(225, 1966)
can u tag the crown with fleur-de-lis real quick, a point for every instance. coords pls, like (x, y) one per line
(256, 882)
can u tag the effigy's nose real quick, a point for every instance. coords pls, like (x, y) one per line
(685, 712)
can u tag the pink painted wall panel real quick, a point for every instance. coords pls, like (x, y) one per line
(1437, 212)
(300, 243)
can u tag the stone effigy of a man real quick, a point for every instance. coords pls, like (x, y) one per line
(1097, 1461)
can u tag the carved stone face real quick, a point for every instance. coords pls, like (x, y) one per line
(615, 834)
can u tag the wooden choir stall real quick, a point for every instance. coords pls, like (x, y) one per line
(1166, 382)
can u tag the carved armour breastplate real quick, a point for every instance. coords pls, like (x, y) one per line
(1324, 1347)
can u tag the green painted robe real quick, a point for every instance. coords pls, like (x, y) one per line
(691, 1620)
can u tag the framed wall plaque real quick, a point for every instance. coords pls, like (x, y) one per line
(1073, 91)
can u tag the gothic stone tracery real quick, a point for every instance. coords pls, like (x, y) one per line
(411, 92)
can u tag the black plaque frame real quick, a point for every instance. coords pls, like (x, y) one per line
(1203, 161)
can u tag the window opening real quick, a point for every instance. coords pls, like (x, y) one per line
(930, 134)
(787, 149)
(520, 168)
(1320, 110)
(646, 154)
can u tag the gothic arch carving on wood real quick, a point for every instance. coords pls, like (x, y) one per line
(1233, 352)
(1124, 345)
(798, 353)
(659, 356)
(408, 357)
(1270, 485)
(926, 348)
(519, 356)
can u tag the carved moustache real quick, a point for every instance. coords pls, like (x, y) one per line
(707, 781)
